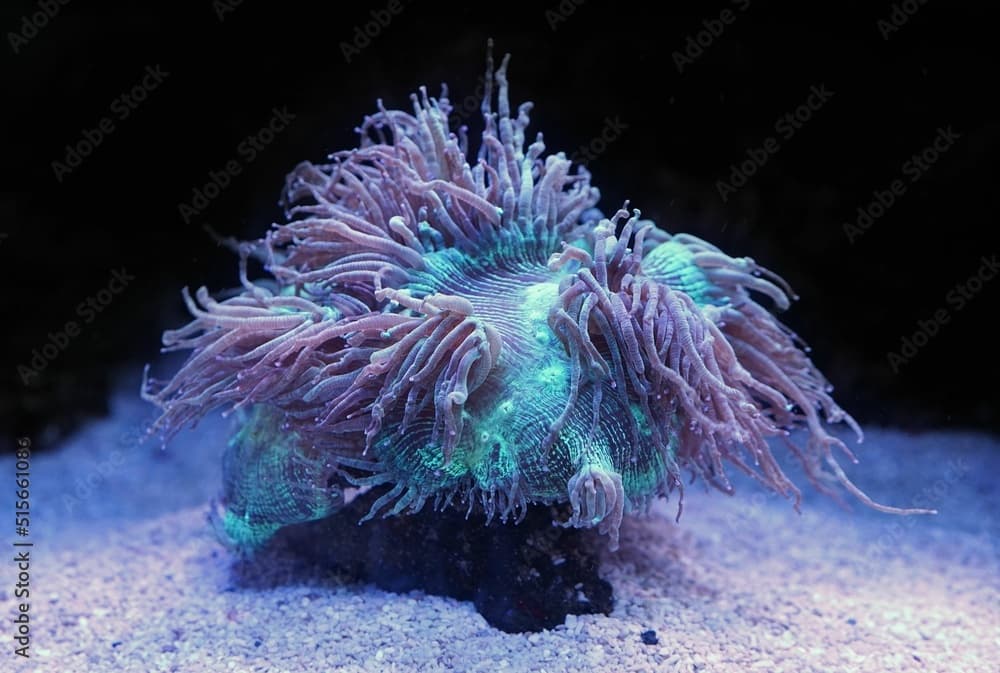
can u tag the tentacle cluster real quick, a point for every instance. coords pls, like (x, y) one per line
(448, 325)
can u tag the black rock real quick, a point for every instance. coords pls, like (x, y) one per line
(524, 577)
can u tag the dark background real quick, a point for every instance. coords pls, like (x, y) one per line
(60, 242)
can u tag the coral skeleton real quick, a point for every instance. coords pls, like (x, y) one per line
(463, 328)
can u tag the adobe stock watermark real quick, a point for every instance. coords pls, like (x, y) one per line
(698, 43)
(224, 7)
(598, 145)
(121, 108)
(468, 106)
(560, 13)
(957, 298)
(913, 168)
(785, 127)
(894, 531)
(32, 24)
(89, 480)
(365, 33)
(247, 151)
(87, 311)
(899, 16)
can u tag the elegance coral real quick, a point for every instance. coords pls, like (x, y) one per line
(447, 327)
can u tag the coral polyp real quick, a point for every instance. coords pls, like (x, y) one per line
(469, 329)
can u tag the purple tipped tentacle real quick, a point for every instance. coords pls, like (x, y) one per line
(597, 498)
(670, 357)
(246, 349)
(440, 356)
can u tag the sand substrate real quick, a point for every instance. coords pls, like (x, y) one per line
(126, 576)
